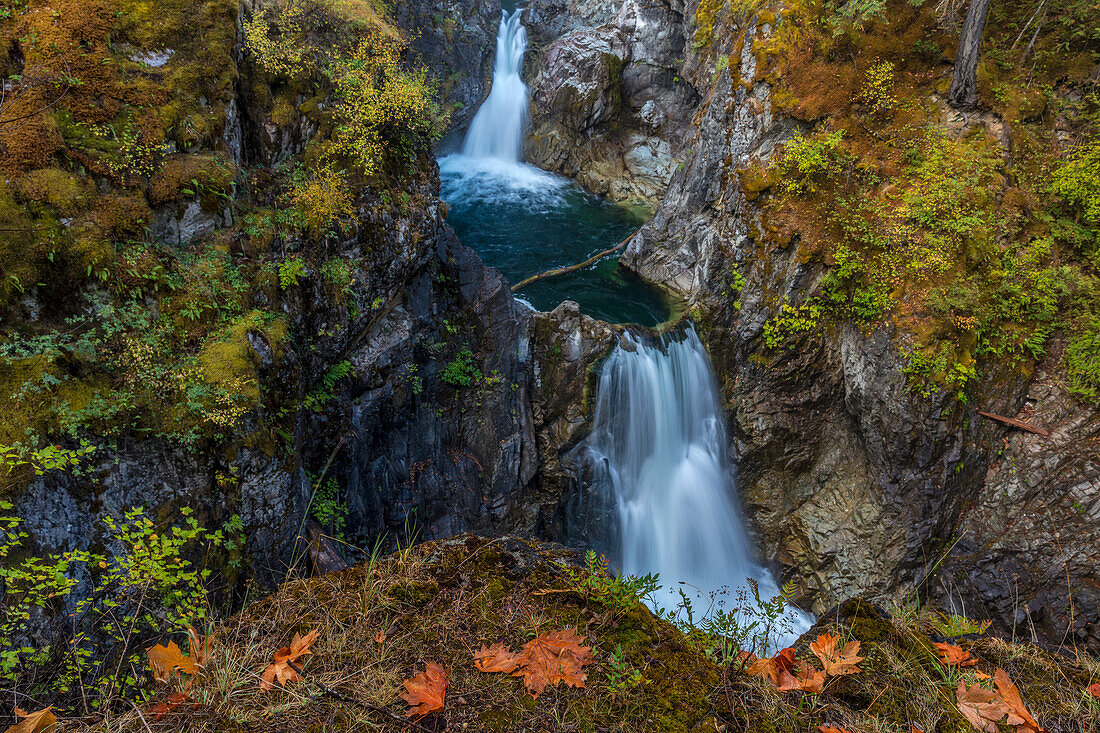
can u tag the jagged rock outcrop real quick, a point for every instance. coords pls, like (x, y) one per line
(608, 106)
(568, 348)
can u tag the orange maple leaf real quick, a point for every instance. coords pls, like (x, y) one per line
(1018, 715)
(983, 708)
(954, 655)
(550, 659)
(40, 721)
(805, 679)
(165, 661)
(834, 662)
(282, 666)
(831, 729)
(427, 691)
(771, 667)
(497, 658)
(1094, 688)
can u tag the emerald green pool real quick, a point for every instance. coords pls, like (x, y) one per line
(524, 221)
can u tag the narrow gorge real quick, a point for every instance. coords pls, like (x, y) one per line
(735, 337)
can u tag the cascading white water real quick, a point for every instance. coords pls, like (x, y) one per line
(498, 128)
(658, 448)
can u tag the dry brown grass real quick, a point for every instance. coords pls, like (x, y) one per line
(441, 601)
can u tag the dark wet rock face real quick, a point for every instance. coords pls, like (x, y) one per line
(425, 452)
(1030, 540)
(457, 41)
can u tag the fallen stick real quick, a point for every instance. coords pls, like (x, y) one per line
(571, 268)
(1016, 423)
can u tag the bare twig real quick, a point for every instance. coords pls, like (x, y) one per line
(329, 692)
(1040, 6)
(1034, 36)
(143, 720)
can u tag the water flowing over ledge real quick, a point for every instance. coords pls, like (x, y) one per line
(657, 459)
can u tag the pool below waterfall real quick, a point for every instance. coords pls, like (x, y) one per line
(525, 221)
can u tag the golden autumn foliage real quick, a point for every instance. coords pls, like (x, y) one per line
(320, 198)
(381, 104)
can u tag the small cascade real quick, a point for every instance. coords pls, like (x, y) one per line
(498, 128)
(657, 454)
(524, 220)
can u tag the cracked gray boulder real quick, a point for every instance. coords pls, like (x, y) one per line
(608, 105)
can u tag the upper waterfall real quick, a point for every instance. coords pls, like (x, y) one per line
(657, 454)
(498, 128)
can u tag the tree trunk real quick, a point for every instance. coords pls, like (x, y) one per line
(964, 83)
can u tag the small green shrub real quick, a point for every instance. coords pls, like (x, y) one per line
(1077, 180)
(462, 371)
(806, 160)
(146, 587)
(952, 625)
(325, 391)
(1082, 359)
(750, 623)
(791, 321)
(291, 270)
(621, 676)
(619, 593)
(328, 509)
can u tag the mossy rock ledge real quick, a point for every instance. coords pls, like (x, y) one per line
(380, 622)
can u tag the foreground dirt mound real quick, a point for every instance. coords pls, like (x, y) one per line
(410, 625)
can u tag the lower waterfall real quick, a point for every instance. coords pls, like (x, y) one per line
(657, 460)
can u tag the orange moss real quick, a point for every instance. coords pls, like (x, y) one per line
(198, 174)
(122, 215)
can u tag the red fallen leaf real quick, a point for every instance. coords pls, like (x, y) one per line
(771, 667)
(805, 679)
(427, 691)
(497, 658)
(831, 729)
(164, 661)
(836, 661)
(174, 701)
(954, 655)
(1019, 715)
(553, 658)
(983, 708)
(281, 668)
(1094, 688)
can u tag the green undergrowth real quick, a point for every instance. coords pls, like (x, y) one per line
(978, 242)
(119, 119)
(381, 621)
